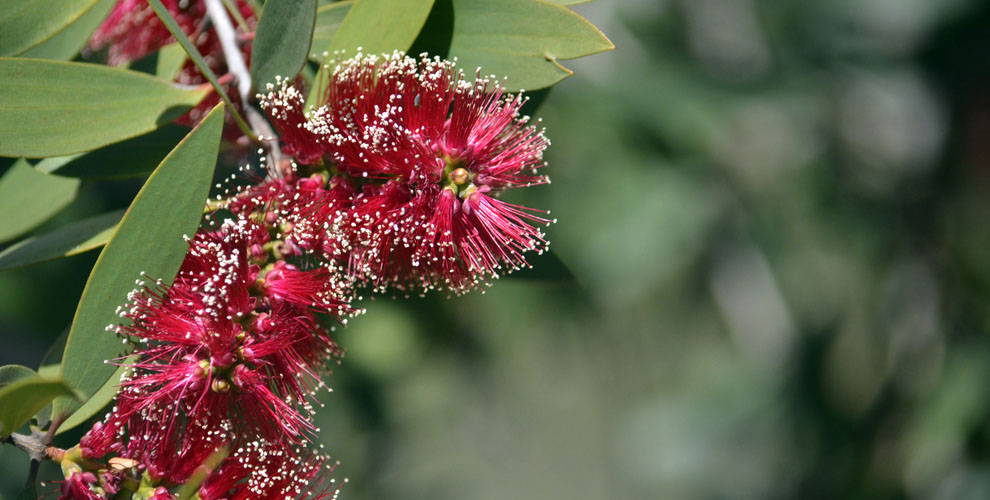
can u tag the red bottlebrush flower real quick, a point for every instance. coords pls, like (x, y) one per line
(79, 486)
(261, 471)
(219, 341)
(432, 153)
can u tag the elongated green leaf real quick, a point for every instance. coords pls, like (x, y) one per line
(135, 157)
(376, 26)
(50, 108)
(20, 400)
(66, 241)
(148, 239)
(282, 40)
(13, 373)
(29, 197)
(26, 23)
(65, 44)
(328, 19)
(521, 39)
(99, 400)
(570, 2)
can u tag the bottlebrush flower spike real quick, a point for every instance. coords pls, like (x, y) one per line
(431, 152)
(261, 471)
(227, 340)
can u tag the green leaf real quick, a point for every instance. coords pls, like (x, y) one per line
(50, 108)
(376, 26)
(328, 19)
(71, 39)
(135, 157)
(26, 23)
(72, 239)
(148, 239)
(570, 2)
(170, 60)
(99, 400)
(29, 197)
(381, 25)
(521, 39)
(282, 40)
(12, 373)
(20, 400)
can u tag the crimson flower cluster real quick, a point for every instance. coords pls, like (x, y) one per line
(408, 160)
(396, 185)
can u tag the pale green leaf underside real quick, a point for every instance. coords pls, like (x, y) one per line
(375, 26)
(72, 239)
(521, 40)
(65, 44)
(21, 399)
(26, 23)
(50, 108)
(29, 198)
(328, 19)
(13, 373)
(148, 239)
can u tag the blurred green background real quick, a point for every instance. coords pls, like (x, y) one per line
(776, 220)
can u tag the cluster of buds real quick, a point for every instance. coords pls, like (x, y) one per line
(395, 186)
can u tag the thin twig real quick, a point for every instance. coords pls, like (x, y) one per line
(231, 52)
(268, 137)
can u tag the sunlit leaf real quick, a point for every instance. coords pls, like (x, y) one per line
(520, 39)
(328, 19)
(71, 239)
(282, 40)
(135, 157)
(65, 44)
(50, 108)
(149, 240)
(21, 399)
(29, 197)
(170, 60)
(376, 26)
(26, 23)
